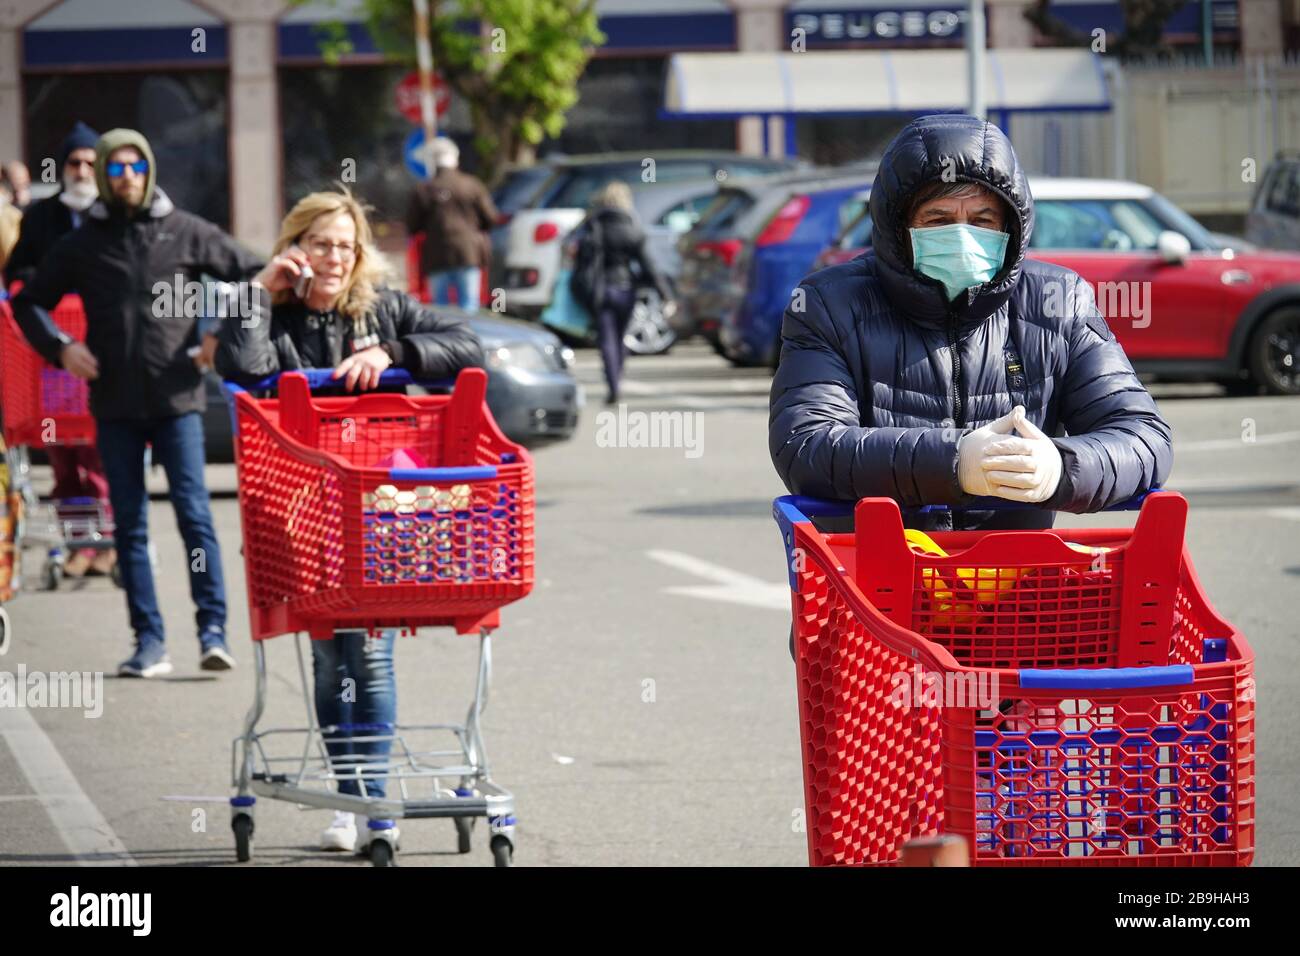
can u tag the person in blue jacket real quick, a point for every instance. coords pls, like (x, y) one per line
(943, 366)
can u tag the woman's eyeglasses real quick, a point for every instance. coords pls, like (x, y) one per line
(139, 167)
(320, 248)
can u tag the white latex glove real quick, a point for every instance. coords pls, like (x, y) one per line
(1024, 467)
(971, 451)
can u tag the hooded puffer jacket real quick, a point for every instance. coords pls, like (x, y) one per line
(881, 375)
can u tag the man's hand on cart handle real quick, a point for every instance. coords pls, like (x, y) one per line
(362, 369)
(282, 271)
(78, 360)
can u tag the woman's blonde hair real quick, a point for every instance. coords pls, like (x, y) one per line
(358, 296)
(613, 195)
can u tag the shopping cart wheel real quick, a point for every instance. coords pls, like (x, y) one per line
(381, 853)
(464, 827)
(51, 575)
(243, 827)
(503, 851)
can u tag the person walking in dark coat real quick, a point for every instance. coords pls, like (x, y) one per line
(611, 262)
(144, 358)
(78, 472)
(454, 211)
(943, 365)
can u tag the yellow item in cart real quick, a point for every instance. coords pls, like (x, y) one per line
(988, 585)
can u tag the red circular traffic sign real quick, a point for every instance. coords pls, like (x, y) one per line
(408, 96)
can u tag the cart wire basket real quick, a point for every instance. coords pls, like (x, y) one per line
(1054, 697)
(336, 536)
(42, 407)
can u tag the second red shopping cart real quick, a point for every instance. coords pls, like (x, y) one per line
(1051, 703)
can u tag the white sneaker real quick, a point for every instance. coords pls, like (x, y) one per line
(341, 834)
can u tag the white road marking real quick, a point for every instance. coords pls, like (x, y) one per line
(82, 827)
(181, 798)
(731, 586)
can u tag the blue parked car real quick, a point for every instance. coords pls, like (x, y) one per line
(781, 252)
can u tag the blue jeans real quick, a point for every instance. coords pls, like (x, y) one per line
(356, 690)
(466, 281)
(178, 447)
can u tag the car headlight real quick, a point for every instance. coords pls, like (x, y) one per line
(522, 355)
(566, 357)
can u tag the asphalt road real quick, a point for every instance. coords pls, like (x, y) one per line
(643, 706)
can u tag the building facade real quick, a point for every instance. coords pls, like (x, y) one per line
(245, 115)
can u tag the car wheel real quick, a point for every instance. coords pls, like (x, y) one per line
(648, 330)
(1274, 354)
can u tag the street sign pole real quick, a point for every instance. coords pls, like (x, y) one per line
(975, 58)
(424, 58)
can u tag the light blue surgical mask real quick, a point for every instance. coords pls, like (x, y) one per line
(958, 255)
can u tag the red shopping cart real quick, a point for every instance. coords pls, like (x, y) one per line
(1054, 697)
(46, 407)
(336, 537)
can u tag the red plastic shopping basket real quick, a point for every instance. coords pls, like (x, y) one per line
(42, 405)
(333, 538)
(1049, 706)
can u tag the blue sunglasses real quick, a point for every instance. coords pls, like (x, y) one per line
(139, 167)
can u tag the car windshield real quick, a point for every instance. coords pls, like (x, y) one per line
(519, 187)
(857, 235)
(722, 213)
(1180, 221)
(1117, 225)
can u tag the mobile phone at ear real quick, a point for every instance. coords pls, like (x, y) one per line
(302, 285)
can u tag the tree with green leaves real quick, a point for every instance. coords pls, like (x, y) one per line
(518, 70)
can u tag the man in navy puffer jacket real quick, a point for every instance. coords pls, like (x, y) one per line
(900, 370)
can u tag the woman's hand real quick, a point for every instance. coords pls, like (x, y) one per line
(362, 369)
(282, 272)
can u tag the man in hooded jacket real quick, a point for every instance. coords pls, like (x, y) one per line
(901, 370)
(47, 220)
(944, 368)
(144, 359)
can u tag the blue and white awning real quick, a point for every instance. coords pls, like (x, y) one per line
(886, 81)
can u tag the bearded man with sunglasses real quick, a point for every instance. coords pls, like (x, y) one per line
(144, 358)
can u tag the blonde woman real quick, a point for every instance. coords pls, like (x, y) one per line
(611, 261)
(348, 322)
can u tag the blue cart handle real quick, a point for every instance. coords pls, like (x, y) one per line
(801, 507)
(318, 378)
